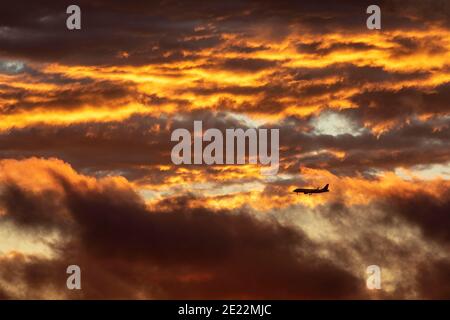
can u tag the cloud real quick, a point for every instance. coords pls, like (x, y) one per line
(173, 28)
(179, 247)
(377, 106)
(426, 210)
(75, 96)
(253, 65)
(135, 147)
(415, 143)
(434, 279)
(106, 98)
(207, 254)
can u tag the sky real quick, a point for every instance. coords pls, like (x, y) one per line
(86, 176)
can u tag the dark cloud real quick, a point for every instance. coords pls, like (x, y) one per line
(404, 46)
(40, 33)
(133, 147)
(100, 94)
(241, 64)
(356, 75)
(155, 32)
(178, 248)
(389, 105)
(214, 254)
(300, 85)
(434, 279)
(244, 48)
(128, 147)
(322, 48)
(430, 212)
(412, 144)
(31, 210)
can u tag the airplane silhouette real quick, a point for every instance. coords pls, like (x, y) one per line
(310, 191)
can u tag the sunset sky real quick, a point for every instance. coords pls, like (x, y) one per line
(86, 176)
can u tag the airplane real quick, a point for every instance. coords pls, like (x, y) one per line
(310, 191)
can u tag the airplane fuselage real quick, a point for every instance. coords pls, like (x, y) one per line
(306, 191)
(310, 191)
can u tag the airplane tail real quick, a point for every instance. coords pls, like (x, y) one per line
(326, 187)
